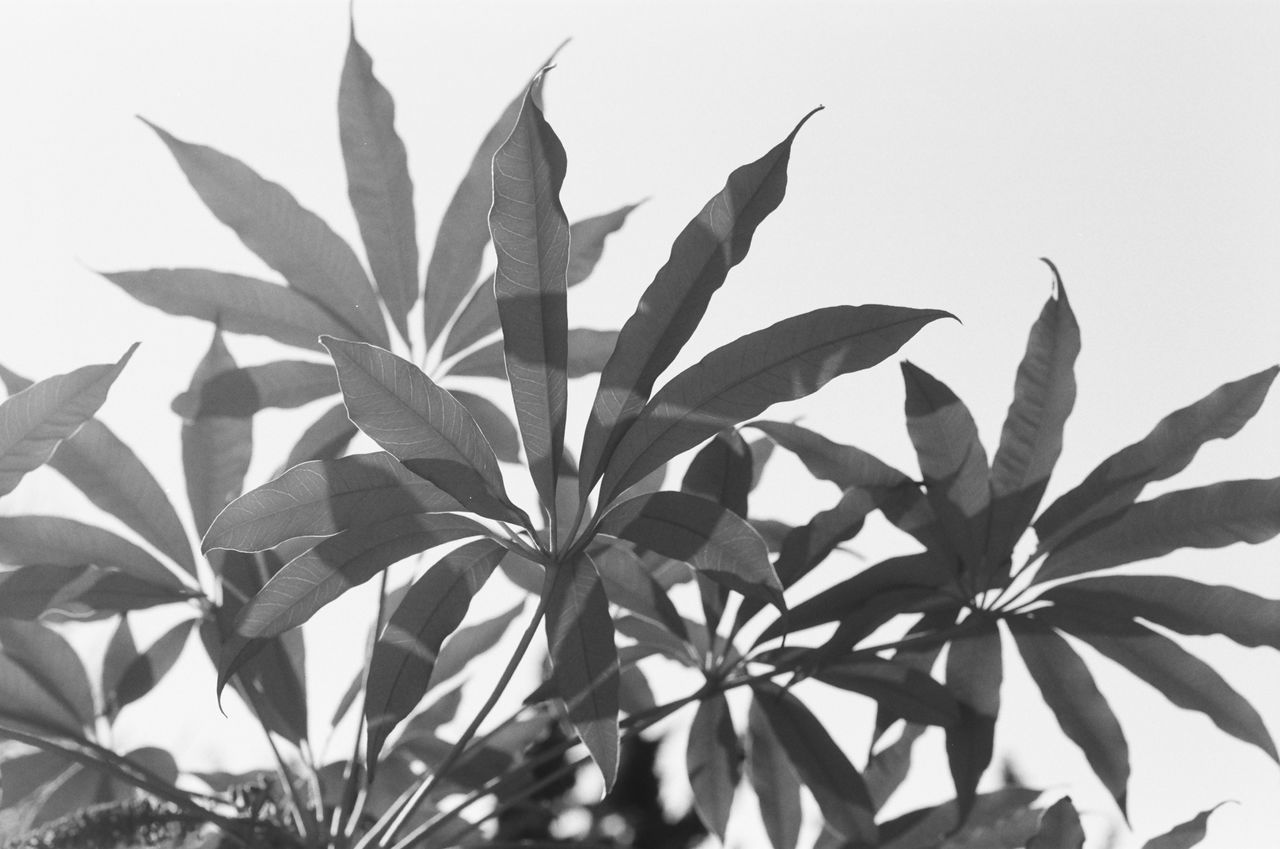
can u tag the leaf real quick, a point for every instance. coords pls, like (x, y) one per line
(378, 183)
(586, 354)
(1180, 676)
(1043, 395)
(1187, 607)
(55, 541)
(216, 449)
(34, 421)
(714, 762)
(463, 234)
(1059, 828)
(107, 471)
(479, 316)
(1164, 452)
(406, 652)
(323, 498)
(239, 393)
(27, 593)
(627, 583)
(908, 692)
(952, 462)
(493, 423)
(531, 236)
(1184, 835)
(711, 539)
(1204, 517)
(440, 712)
(43, 684)
(820, 763)
(325, 439)
(888, 768)
(720, 473)
(121, 652)
(786, 361)
(843, 465)
(921, 654)
(1000, 820)
(974, 674)
(675, 644)
(469, 643)
(146, 670)
(294, 241)
(717, 239)
(584, 659)
(1070, 692)
(775, 782)
(424, 426)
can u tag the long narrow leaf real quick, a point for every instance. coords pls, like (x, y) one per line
(775, 781)
(244, 391)
(44, 681)
(627, 583)
(55, 541)
(975, 671)
(121, 651)
(1003, 819)
(147, 669)
(493, 423)
(587, 353)
(294, 241)
(470, 643)
(789, 360)
(714, 762)
(424, 426)
(34, 421)
(721, 473)
(216, 450)
(908, 692)
(378, 183)
(717, 239)
(325, 439)
(843, 465)
(1184, 835)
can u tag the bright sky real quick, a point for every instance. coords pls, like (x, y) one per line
(1133, 143)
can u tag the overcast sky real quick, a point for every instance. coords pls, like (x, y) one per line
(1135, 144)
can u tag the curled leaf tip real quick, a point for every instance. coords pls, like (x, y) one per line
(1057, 277)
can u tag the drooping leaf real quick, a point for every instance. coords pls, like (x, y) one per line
(711, 539)
(908, 692)
(789, 360)
(241, 392)
(822, 766)
(215, 449)
(952, 462)
(1180, 676)
(325, 439)
(1059, 828)
(584, 660)
(1164, 452)
(717, 239)
(1204, 517)
(531, 236)
(107, 471)
(55, 541)
(406, 652)
(422, 425)
(121, 652)
(34, 421)
(714, 761)
(1070, 692)
(1000, 820)
(378, 183)
(313, 259)
(1184, 835)
(146, 670)
(494, 424)
(323, 498)
(975, 670)
(843, 465)
(42, 680)
(775, 781)
(1187, 607)
(1043, 395)
(469, 643)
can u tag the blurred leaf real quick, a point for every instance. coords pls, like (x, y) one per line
(584, 659)
(325, 439)
(323, 498)
(843, 465)
(406, 652)
(121, 652)
(1082, 711)
(531, 237)
(146, 670)
(711, 539)
(424, 426)
(1000, 820)
(1043, 395)
(98, 593)
(775, 782)
(294, 241)
(1184, 679)
(28, 592)
(974, 673)
(1184, 835)
(717, 239)
(888, 768)
(43, 684)
(1204, 517)
(952, 461)
(1059, 828)
(34, 421)
(441, 711)
(493, 423)
(378, 183)
(215, 449)
(1164, 452)
(820, 763)
(241, 392)
(55, 541)
(634, 693)
(920, 653)
(714, 762)
(469, 643)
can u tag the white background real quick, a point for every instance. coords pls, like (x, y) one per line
(1134, 143)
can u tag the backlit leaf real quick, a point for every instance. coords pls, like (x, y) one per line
(843, 465)
(1059, 828)
(888, 768)
(721, 473)
(147, 669)
(587, 352)
(215, 449)
(58, 542)
(325, 439)
(121, 652)
(244, 391)
(1184, 835)
(974, 673)
(627, 583)
(1000, 820)
(42, 680)
(714, 761)
(470, 643)
(28, 592)
(775, 781)
(908, 692)
(493, 423)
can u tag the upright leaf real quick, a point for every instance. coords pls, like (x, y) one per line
(1043, 395)
(294, 241)
(1164, 452)
(1059, 828)
(121, 652)
(424, 426)
(242, 392)
(952, 461)
(791, 359)
(714, 762)
(146, 670)
(42, 680)
(1184, 835)
(531, 237)
(717, 239)
(378, 183)
(721, 473)
(493, 423)
(775, 781)
(1082, 711)
(1205, 517)
(405, 654)
(888, 768)
(974, 673)
(34, 421)
(215, 449)
(325, 439)
(584, 659)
